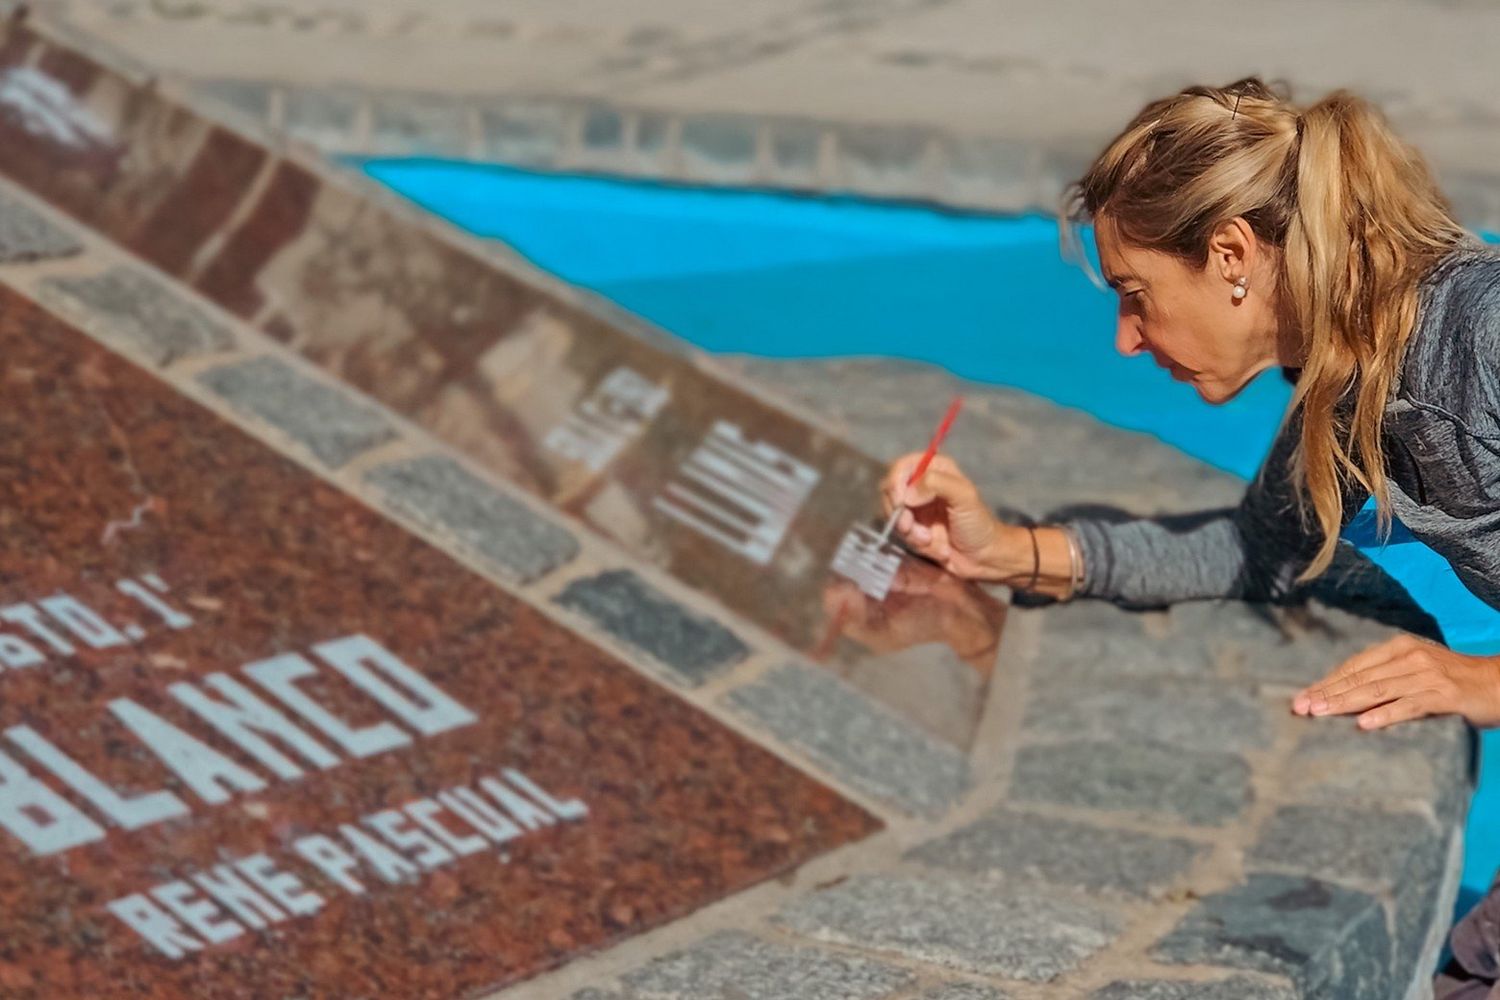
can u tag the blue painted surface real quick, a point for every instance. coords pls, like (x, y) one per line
(990, 299)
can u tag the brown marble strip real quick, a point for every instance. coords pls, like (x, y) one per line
(731, 495)
(512, 799)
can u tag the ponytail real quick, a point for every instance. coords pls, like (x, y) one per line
(1358, 221)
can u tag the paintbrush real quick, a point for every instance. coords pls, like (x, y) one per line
(932, 447)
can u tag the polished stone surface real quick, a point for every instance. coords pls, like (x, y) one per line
(585, 407)
(294, 750)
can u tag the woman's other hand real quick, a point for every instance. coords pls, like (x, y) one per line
(1407, 678)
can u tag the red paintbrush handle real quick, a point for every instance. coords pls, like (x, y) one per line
(937, 439)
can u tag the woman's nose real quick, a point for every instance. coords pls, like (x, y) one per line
(1128, 340)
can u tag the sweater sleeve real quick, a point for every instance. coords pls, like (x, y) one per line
(1253, 551)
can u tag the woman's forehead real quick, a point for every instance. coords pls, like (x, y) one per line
(1118, 263)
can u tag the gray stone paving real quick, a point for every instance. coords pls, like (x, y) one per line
(146, 314)
(1145, 780)
(26, 236)
(693, 646)
(505, 534)
(1339, 843)
(964, 991)
(1317, 933)
(736, 966)
(1235, 988)
(1062, 852)
(333, 425)
(978, 928)
(1193, 714)
(865, 744)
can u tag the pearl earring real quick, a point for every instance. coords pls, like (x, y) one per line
(1241, 287)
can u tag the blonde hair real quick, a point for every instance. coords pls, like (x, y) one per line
(1357, 220)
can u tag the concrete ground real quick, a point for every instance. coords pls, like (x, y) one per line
(918, 98)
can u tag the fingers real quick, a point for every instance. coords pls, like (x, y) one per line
(1371, 693)
(942, 480)
(1414, 706)
(1373, 656)
(1324, 694)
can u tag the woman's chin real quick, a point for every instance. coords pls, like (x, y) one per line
(1216, 393)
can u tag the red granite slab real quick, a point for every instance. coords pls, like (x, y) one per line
(111, 485)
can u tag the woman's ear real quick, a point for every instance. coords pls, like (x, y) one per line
(1231, 249)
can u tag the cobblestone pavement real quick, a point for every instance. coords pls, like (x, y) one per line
(968, 102)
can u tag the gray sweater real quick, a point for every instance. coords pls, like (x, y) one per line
(1442, 434)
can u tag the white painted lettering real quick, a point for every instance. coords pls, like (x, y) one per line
(235, 895)
(170, 616)
(282, 886)
(154, 924)
(30, 619)
(394, 827)
(202, 768)
(279, 675)
(386, 863)
(131, 813)
(16, 653)
(528, 814)
(570, 809)
(425, 812)
(202, 915)
(466, 804)
(324, 854)
(432, 711)
(84, 623)
(742, 494)
(37, 816)
(242, 716)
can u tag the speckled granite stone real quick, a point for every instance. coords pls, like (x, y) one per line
(982, 928)
(107, 475)
(142, 312)
(690, 644)
(331, 423)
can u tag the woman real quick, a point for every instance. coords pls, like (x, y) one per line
(1242, 232)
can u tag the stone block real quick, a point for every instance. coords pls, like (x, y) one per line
(321, 116)
(719, 148)
(249, 97)
(732, 965)
(992, 173)
(1062, 852)
(884, 161)
(965, 991)
(504, 534)
(1328, 940)
(1335, 842)
(864, 744)
(420, 125)
(27, 235)
(524, 133)
(985, 929)
(1233, 988)
(1430, 761)
(148, 316)
(1190, 713)
(1146, 779)
(795, 149)
(327, 421)
(603, 129)
(691, 644)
